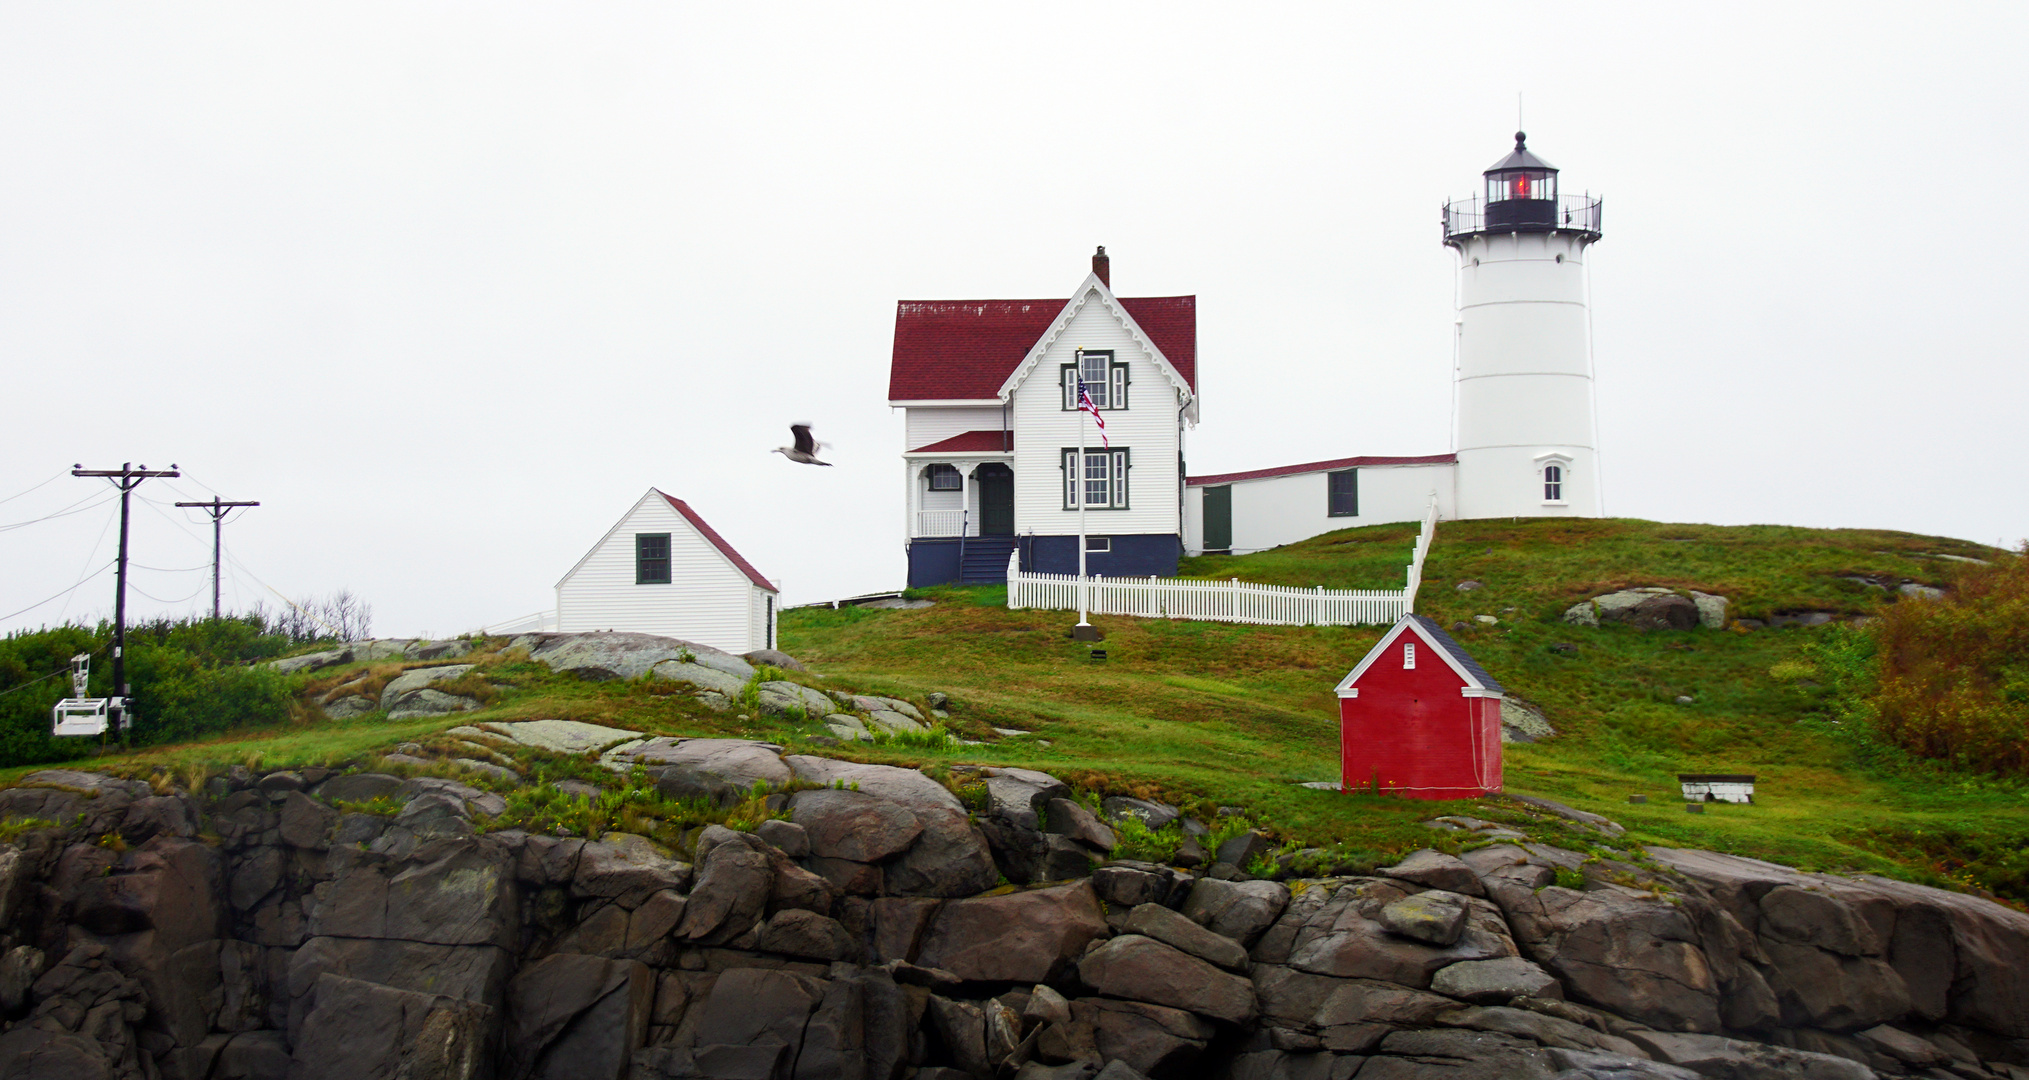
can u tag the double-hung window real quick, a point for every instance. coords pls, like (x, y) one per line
(651, 558)
(1344, 498)
(1104, 378)
(1553, 483)
(1099, 482)
(944, 478)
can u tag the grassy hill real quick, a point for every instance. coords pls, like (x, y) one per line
(1208, 715)
(1214, 713)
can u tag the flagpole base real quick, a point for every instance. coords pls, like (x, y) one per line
(1086, 632)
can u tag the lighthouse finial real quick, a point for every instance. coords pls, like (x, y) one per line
(1520, 138)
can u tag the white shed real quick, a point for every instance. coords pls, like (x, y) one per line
(663, 570)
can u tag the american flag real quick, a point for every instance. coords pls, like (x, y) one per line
(1085, 405)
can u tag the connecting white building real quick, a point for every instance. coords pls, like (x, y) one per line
(1523, 425)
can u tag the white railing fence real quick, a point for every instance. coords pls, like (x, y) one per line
(1223, 601)
(932, 523)
(528, 624)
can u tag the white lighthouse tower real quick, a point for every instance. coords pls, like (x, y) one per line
(1523, 428)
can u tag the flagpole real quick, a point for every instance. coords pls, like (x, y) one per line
(1078, 478)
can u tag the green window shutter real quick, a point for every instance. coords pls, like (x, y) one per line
(1119, 485)
(1116, 397)
(1072, 477)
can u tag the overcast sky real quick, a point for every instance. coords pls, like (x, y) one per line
(447, 286)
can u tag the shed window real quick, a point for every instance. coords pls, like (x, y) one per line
(1553, 483)
(1345, 494)
(1408, 655)
(944, 478)
(651, 558)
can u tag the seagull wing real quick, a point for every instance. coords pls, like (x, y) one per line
(804, 443)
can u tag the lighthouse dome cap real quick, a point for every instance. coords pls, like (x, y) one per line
(1521, 158)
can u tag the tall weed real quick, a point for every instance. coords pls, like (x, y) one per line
(1954, 672)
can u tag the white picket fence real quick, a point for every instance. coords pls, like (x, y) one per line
(1223, 601)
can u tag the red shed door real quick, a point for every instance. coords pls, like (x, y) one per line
(1410, 731)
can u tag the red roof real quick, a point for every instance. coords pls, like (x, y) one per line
(971, 442)
(1320, 466)
(963, 350)
(718, 541)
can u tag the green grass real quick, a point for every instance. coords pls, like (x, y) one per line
(1206, 715)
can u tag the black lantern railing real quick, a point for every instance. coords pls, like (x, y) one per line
(1565, 213)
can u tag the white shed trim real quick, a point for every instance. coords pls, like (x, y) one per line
(1472, 688)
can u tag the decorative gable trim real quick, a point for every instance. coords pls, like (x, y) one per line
(1471, 685)
(1084, 293)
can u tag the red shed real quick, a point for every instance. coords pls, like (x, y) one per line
(1419, 717)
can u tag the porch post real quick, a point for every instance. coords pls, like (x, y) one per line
(964, 502)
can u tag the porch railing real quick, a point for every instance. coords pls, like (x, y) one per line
(934, 523)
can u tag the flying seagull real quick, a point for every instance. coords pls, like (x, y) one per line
(805, 450)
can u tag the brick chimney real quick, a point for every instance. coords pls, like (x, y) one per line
(1102, 267)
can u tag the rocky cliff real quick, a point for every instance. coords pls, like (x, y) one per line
(255, 930)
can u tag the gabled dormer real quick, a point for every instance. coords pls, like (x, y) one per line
(957, 353)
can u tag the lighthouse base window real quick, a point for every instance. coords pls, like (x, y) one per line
(1553, 483)
(1098, 481)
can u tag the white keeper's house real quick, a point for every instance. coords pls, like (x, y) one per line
(1522, 428)
(663, 570)
(990, 457)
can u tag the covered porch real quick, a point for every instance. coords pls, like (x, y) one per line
(960, 495)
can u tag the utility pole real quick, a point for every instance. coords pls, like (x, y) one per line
(127, 477)
(218, 510)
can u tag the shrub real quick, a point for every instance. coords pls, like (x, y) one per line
(1954, 672)
(1138, 841)
(188, 677)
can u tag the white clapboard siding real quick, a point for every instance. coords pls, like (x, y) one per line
(709, 599)
(930, 423)
(1276, 510)
(1148, 427)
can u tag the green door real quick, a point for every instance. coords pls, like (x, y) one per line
(1219, 518)
(996, 500)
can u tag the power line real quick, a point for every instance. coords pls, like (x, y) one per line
(167, 569)
(37, 487)
(217, 509)
(159, 600)
(32, 682)
(74, 508)
(66, 592)
(60, 671)
(96, 545)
